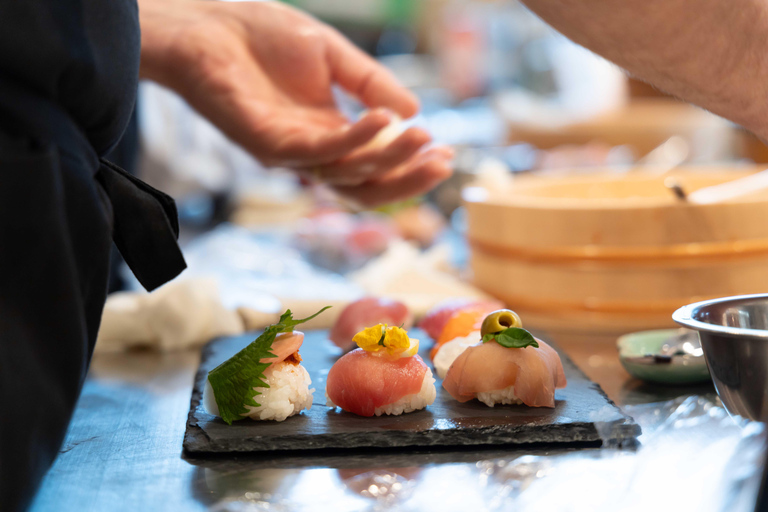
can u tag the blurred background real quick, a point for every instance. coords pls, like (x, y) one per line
(515, 99)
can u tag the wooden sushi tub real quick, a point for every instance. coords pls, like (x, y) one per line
(592, 256)
(642, 124)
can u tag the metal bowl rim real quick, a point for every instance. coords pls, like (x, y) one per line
(685, 317)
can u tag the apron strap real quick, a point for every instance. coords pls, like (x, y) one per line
(146, 226)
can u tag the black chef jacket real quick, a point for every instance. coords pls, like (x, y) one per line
(68, 79)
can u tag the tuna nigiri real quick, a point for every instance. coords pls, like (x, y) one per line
(365, 312)
(383, 376)
(507, 366)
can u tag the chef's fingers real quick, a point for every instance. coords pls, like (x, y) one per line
(370, 163)
(288, 143)
(417, 177)
(362, 76)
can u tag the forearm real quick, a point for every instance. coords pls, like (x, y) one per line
(711, 53)
(164, 27)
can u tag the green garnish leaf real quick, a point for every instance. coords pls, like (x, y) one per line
(383, 335)
(234, 379)
(512, 337)
(393, 208)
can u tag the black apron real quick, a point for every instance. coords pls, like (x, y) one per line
(68, 79)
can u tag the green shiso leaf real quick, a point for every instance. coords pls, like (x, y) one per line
(513, 337)
(233, 380)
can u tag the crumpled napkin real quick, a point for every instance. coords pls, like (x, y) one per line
(178, 315)
(190, 312)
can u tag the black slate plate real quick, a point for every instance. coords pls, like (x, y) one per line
(581, 409)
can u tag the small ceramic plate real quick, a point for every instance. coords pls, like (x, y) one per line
(641, 355)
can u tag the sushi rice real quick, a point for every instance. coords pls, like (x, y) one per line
(288, 393)
(499, 396)
(409, 403)
(451, 350)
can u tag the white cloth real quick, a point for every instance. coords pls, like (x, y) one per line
(178, 315)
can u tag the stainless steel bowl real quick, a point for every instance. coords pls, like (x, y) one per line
(734, 336)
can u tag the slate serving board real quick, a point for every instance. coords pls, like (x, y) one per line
(583, 413)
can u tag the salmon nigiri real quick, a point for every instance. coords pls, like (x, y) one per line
(383, 376)
(437, 317)
(507, 366)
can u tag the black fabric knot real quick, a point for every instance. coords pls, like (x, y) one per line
(146, 226)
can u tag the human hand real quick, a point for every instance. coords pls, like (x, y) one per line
(262, 72)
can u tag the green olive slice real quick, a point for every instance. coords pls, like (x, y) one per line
(500, 320)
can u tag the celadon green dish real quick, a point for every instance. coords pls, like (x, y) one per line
(642, 356)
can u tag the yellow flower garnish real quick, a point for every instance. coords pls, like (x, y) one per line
(396, 340)
(368, 339)
(380, 337)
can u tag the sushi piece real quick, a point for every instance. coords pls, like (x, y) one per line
(370, 236)
(448, 352)
(507, 366)
(437, 317)
(341, 241)
(461, 324)
(466, 327)
(265, 380)
(383, 376)
(364, 312)
(499, 375)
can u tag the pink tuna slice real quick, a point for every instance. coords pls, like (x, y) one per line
(359, 382)
(365, 313)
